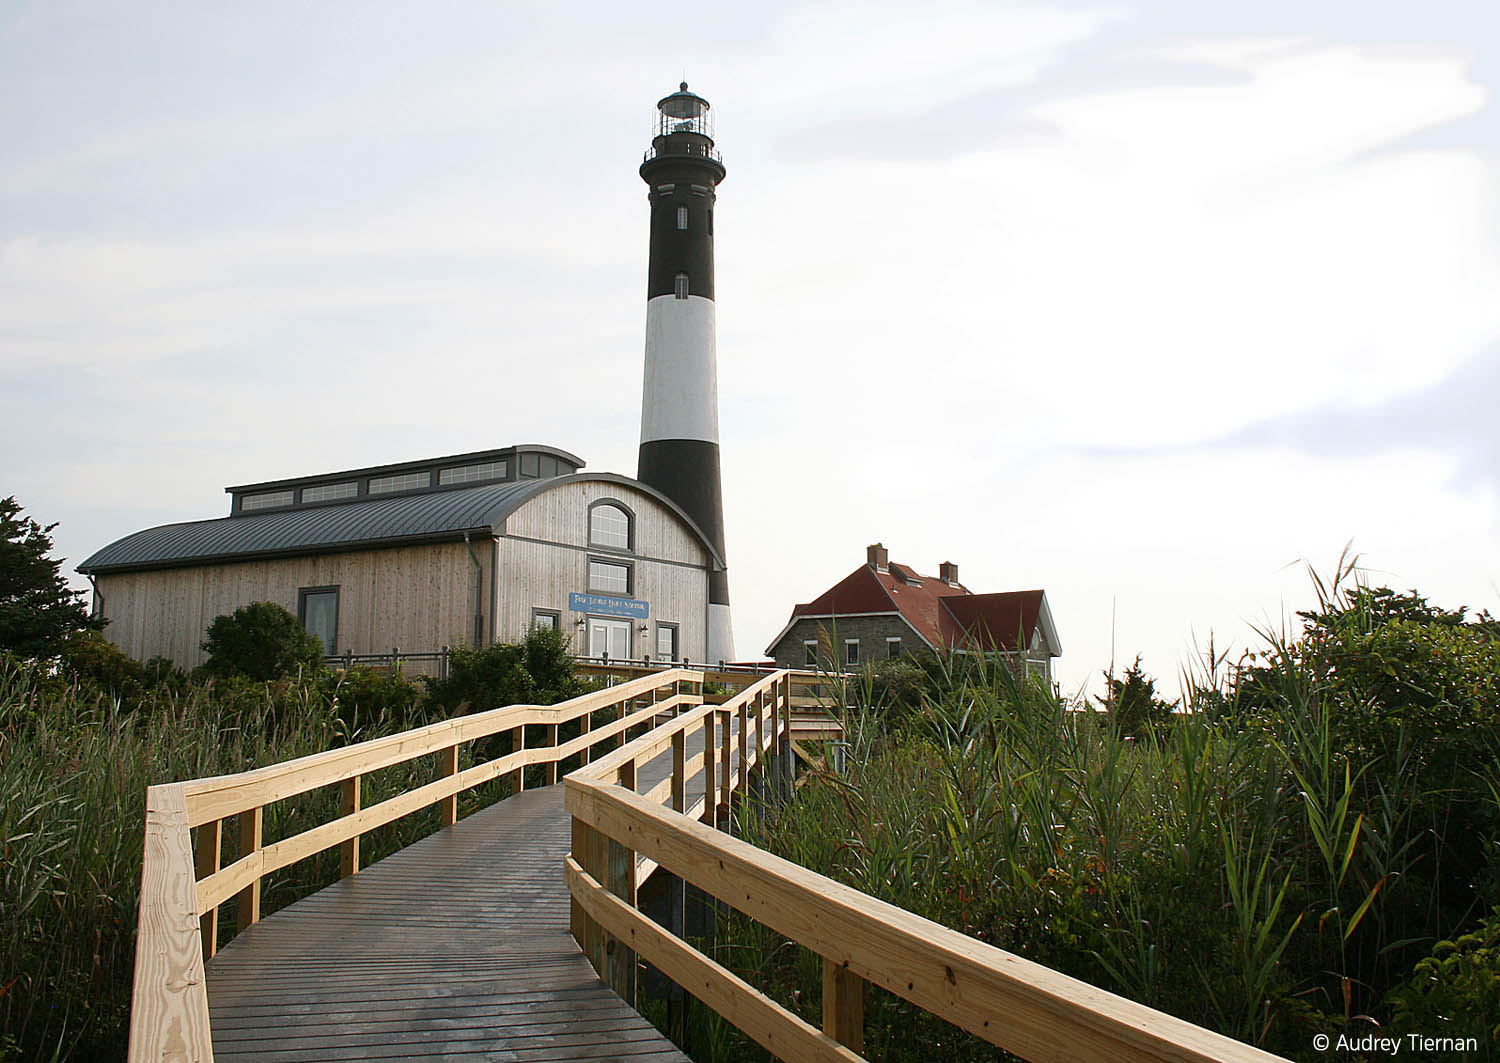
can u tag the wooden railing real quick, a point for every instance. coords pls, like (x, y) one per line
(183, 883)
(1013, 1003)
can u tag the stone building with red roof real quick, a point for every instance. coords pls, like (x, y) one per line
(883, 609)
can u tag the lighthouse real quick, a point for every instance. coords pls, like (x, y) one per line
(679, 453)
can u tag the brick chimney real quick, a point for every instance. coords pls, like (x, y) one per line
(878, 558)
(948, 573)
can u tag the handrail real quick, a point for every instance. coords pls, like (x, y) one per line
(183, 881)
(1014, 1003)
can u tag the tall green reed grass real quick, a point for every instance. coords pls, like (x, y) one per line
(74, 768)
(1274, 864)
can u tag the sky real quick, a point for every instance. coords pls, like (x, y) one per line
(1150, 305)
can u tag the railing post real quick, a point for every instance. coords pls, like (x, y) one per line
(169, 1013)
(518, 743)
(679, 771)
(843, 1006)
(789, 761)
(620, 959)
(251, 838)
(349, 850)
(744, 775)
(447, 765)
(593, 857)
(725, 746)
(210, 851)
(710, 769)
(552, 764)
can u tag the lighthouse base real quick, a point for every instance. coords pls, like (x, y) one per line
(720, 634)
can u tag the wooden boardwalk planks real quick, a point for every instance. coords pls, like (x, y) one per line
(456, 948)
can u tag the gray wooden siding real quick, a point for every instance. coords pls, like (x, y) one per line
(670, 566)
(414, 597)
(561, 516)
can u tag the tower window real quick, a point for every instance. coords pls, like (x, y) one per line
(682, 217)
(682, 286)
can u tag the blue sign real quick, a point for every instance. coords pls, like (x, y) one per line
(605, 605)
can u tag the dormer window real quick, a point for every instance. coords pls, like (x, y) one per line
(265, 500)
(410, 481)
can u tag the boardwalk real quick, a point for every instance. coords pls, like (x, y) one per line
(456, 948)
(465, 945)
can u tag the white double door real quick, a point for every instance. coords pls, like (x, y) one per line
(609, 638)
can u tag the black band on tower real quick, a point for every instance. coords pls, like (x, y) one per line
(677, 250)
(687, 472)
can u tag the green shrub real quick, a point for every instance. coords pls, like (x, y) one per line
(1456, 991)
(367, 698)
(260, 641)
(536, 671)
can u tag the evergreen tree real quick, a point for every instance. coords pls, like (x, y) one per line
(1132, 704)
(36, 607)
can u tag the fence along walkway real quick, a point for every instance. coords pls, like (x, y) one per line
(632, 810)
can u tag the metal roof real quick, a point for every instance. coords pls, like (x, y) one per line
(362, 523)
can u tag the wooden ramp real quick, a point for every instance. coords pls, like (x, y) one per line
(455, 948)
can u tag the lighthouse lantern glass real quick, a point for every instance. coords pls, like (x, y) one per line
(682, 112)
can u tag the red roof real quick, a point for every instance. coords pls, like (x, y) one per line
(993, 620)
(943, 614)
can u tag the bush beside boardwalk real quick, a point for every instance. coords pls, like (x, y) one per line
(83, 735)
(1313, 848)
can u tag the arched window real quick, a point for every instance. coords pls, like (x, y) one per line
(609, 525)
(682, 286)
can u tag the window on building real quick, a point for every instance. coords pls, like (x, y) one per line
(666, 642)
(329, 492)
(406, 481)
(608, 577)
(682, 217)
(893, 647)
(546, 618)
(468, 474)
(531, 466)
(681, 290)
(609, 525)
(265, 500)
(810, 648)
(709, 218)
(851, 651)
(318, 609)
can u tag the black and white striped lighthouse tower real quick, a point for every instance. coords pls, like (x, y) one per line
(680, 405)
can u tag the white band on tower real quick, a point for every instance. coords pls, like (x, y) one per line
(681, 395)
